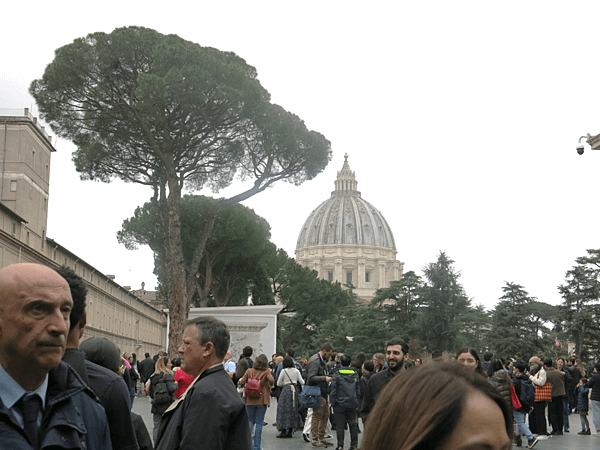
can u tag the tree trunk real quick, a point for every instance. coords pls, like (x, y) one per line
(178, 301)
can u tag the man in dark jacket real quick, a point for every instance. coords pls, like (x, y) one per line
(43, 402)
(594, 384)
(344, 395)
(108, 386)
(317, 375)
(147, 367)
(396, 354)
(210, 415)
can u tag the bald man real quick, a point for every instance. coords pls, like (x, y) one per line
(43, 402)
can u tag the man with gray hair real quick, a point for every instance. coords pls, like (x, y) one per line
(210, 414)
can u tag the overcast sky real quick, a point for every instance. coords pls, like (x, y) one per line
(460, 120)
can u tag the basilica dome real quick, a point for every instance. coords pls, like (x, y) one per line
(347, 239)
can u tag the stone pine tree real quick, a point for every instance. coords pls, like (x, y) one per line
(170, 114)
(513, 329)
(580, 312)
(444, 303)
(236, 257)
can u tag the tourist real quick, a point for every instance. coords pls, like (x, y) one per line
(257, 402)
(288, 417)
(470, 358)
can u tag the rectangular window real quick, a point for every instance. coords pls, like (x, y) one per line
(367, 277)
(348, 276)
(13, 186)
(330, 275)
(14, 230)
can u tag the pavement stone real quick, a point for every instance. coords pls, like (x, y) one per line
(570, 441)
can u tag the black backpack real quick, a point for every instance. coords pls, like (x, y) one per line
(527, 395)
(161, 394)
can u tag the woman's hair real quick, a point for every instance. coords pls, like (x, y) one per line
(430, 400)
(475, 355)
(261, 363)
(381, 358)
(495, 365)
(288, 362)
(161, 365)
(103, 352)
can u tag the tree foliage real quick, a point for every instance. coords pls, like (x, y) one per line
(580, 312)
(170, 114)
(235, 257)
(518, 324)
(445, 304)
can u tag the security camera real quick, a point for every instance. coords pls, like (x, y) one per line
(580, 149)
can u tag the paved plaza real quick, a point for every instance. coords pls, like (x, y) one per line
(570, 441)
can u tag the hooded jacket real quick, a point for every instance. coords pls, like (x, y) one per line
(345, 388)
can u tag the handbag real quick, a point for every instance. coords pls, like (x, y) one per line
(516, 403)
(543, 393)
(310, 397)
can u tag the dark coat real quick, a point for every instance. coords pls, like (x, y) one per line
(345, 388)
(210, 415)
(146, 367)
(594, 384)
(581, 393)
(374, 387)
(72, 418)
(517, 384)
(316, 371)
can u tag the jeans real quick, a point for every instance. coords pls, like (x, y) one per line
(521, 426)
(596, 412)
(585, 425)
(256, 417)
(566, 412)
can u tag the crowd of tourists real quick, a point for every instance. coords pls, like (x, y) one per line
(56, 392)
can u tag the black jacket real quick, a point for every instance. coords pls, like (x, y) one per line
(374, 387)
(594, 384)
(210, 415)
(345, 388)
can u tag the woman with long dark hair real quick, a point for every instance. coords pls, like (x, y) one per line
(469, 357)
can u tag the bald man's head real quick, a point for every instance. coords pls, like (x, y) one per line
(35, 303)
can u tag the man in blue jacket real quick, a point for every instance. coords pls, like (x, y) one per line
(43, 402)
(344, 394)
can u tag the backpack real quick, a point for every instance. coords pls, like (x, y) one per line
(253, 388)
(527, 395)
(161, 394)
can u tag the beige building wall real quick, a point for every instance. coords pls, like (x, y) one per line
(113, 312)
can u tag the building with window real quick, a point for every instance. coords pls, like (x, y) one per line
(347, 239)
(113, 312)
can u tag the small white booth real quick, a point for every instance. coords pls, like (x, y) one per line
(255, 326)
